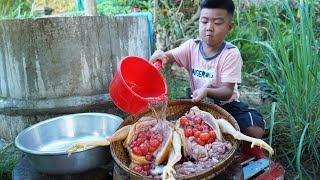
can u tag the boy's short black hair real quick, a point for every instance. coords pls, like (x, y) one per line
(220, 4)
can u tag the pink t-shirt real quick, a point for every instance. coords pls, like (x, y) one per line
(224, 66)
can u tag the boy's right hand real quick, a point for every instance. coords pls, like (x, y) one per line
(199, 94)
(159, 55)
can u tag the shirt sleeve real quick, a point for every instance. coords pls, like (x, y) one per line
(182, 54)
(231, 71)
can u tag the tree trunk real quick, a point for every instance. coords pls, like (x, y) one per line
(90, 8)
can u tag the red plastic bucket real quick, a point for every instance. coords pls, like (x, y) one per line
(137, 84)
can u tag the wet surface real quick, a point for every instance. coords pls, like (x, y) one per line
(24, 170)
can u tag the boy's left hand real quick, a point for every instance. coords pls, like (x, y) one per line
(199, 94)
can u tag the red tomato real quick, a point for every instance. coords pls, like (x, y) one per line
(189, 117)
(200, 142)
(142, 135)
(188, 132)
(147, 142)
(148, 135)
(140, 140)
(197, 120)
(159, 137)
(194, 130)
(203, 136)
(146, 167)
(212, 134)
(210, 140)
(135, 144)
(144, 148)
(197, 133)
(136, 151)
(148, 158)
(200, 128)
(138, 168)
(152, 149)
(183, 120)
(154, 143)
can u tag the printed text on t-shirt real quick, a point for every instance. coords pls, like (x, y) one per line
(203, 74)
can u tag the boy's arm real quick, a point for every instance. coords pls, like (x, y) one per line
(170, 57)
(165, 57)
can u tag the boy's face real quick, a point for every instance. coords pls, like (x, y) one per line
(214, 25)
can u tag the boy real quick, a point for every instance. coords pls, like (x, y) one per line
(214, 67)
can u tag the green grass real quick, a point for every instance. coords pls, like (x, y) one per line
(292, 63)
(9, 156)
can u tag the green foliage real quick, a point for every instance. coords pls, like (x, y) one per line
(108, 8)
(143, 5)
(111, 7)
(15, 9)
(292, 63)
(4, 98)
(173, 19)
(9, 155)
(177, 88)
(247, 29)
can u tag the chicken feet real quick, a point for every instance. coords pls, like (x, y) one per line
(227, 128)
(117, 136)
(174, 157)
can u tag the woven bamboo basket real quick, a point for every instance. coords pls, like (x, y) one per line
(176, 109)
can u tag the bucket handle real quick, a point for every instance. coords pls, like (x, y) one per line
(158, 64)
(164, 97)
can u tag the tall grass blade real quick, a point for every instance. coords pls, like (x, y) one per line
(273, 109)
(292, 62)
(298, 164)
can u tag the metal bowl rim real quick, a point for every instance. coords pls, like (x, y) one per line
(34, 152)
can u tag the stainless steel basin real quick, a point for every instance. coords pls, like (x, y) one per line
(45, 142)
